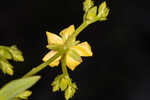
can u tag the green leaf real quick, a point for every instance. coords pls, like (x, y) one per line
(16, 53)
(15, 87)
(92, 13)
(75, 55)
(5, 53)
(87, 4)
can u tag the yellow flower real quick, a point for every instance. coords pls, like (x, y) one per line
(73, 54)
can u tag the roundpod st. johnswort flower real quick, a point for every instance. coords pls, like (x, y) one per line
(74, 52)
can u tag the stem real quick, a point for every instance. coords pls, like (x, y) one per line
(76, 33)
(79, 29)
(63, 65)
(43, 65)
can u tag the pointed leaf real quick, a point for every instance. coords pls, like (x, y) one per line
(15, 87)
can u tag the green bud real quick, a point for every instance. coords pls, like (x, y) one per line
(103, 11)
(5, 53)
(6, 67)
(91, 14)
(68, 93)
(63, 84)
(55, 88)
(74, 85)
(9, 71)
(87, 4)
(16, 53)
(56, 83)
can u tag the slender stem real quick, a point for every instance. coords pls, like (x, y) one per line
(63, 65)
(43, 65)
(76, 33)
(80, 28)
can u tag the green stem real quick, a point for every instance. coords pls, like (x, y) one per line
(43, 65)
(79, 29)
(76, 33)
(63, 65)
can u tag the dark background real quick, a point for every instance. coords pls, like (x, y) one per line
(120, 67)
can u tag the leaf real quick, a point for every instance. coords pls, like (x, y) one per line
(15, 87)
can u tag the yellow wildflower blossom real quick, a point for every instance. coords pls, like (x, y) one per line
(81, 49)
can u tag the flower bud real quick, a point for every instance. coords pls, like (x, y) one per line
(63, 84)
(91, 14)
(103, 11)
(87, 4)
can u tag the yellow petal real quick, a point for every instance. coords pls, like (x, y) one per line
(53, 38)
(49, 55)
(83, 49)
(67, 32)
(71, 63)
